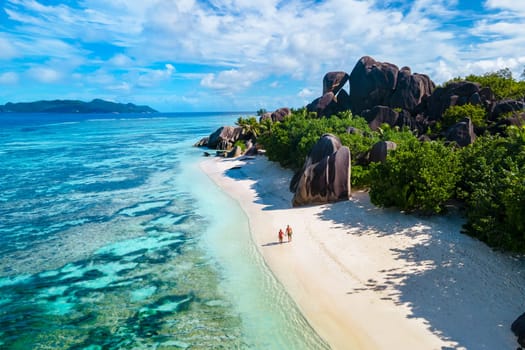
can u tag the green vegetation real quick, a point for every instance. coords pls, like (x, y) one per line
(454, 114)
(493, 187)
(486, 179)
(290, 141)
(261, 112)
(417, 176)
(502, 84)
(250, 126)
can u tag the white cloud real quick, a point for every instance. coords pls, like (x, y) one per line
(242, 42)
(305, 93)
(152, 77)
(513, 6)
(120, 87)
(120, 60)
(8, 78)
(232, 80)
(7, 50)
(45, 74)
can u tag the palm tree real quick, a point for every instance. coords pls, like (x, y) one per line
(249, 126)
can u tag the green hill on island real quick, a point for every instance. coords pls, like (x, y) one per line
(74, 106)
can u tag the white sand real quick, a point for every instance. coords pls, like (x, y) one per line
(371, 278)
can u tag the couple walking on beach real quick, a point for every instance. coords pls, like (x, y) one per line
(289, 233)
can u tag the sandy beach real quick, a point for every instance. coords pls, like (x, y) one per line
(372, 278)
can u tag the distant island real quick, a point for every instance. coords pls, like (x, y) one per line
(74, 106)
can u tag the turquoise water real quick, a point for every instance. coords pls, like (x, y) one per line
(112, 238)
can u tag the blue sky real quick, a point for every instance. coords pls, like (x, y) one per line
(241, 55)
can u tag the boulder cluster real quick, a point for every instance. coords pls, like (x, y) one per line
(380, 92)
(225, 141)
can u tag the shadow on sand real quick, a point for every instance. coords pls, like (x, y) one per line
(468, 293)
(263, 185)
(270, 244)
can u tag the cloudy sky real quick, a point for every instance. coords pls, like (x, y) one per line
(241, 55)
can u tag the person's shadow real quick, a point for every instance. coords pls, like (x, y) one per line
(273, 243)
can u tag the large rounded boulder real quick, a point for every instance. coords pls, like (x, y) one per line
(462, 133)
(325, 177)
(334, 81)
(327, 145)
(379, 151)
(410, 89)
(225, 137)
(518, 328)
(371, 84)
(374, 83)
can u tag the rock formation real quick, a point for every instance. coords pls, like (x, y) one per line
(518, 328)
(277, 115)
(325, 176)
(462, 133)
(374, 83)
(234, 153)
(507, 107)
(455, 94)
(335, 99)
(410, 89)
(379, 150)
(334, 82)
(379, 115)
(371, 84)
(225, 137)
(202, 142)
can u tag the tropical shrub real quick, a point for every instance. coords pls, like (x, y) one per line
(493, 187)
(289, 142)
(502, 84)
(417, 176)
(454, 114)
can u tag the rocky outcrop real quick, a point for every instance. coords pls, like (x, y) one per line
(334, 82)
(380, 115)
(276, 116)
(234, 153)
(502, 108)
(225, 137)
(279, 114)
(410, 89)
(455, 94)
(335, 99)
(518, 328)
(379, 150)
(328, 144)
(330, 104)
(374, 83)
(462, 133)
(325, 176)
(371, 84)
(202, 142)
(265, 116)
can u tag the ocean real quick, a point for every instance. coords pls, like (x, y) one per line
(112, 238)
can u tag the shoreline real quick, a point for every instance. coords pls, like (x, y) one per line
(371, 278)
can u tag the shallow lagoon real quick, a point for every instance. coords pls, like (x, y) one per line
(112, 238)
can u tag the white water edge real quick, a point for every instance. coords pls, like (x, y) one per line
(270, 318)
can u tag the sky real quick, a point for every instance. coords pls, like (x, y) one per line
(241, 55)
